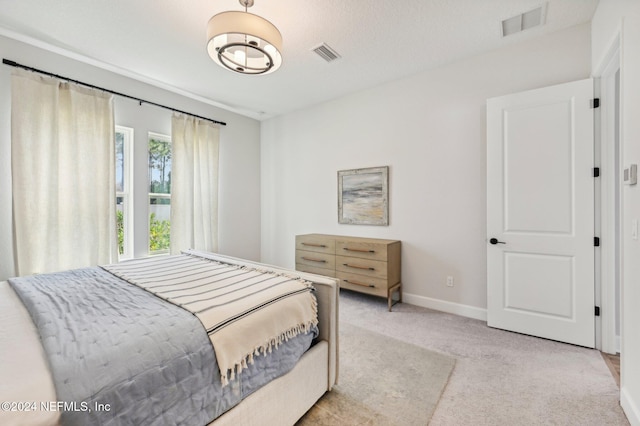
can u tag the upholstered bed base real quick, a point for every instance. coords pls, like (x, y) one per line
(283, 401)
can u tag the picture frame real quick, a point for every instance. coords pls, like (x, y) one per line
(363, 196)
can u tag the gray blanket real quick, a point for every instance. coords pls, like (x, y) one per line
(121, 356)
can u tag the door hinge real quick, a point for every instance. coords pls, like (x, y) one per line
(596, 172)
(595, 103)
(597, 311)
(596, 241)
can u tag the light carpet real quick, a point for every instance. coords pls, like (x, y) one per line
(382, 381)
(500, 378)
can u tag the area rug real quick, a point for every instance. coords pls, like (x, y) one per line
(382, 381)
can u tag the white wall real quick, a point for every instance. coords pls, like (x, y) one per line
(239, 204)
(622, 18)
(430, 130)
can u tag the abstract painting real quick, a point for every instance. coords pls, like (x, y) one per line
(363, 196)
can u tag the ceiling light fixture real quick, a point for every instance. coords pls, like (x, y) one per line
(243, 42)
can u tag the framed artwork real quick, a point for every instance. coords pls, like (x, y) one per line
(363, 196)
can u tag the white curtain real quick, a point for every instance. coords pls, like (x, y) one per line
(194, 184)
(63, 175)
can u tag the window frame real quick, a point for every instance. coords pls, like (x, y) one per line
(127, 191)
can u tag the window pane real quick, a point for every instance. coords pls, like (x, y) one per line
(120, 182)
(159, 166)
(124, 228)
(159, 193)
(120, 223)
(159, 224)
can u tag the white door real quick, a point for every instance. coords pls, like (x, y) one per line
(540, 213)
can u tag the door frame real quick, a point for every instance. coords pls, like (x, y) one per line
(608, 199)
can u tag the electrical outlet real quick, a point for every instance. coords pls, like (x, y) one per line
(449, 281)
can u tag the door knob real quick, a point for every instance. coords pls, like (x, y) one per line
(495, 241)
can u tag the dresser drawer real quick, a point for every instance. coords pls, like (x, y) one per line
(364, 284)
(367, 267)
(316, 243)
(364, 250)
(315, 270)
(318, 260)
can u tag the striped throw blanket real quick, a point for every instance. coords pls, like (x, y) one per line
(246, 311)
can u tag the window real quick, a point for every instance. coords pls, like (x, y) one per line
(124, 205)
(159, 193)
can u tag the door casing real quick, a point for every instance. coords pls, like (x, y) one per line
(608, 154)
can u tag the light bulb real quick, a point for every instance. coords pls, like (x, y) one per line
(239, 57)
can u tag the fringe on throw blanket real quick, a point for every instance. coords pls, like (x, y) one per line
(272, 344)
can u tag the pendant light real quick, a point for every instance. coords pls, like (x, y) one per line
(243, 42)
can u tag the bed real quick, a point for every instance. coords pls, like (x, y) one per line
(28, 394)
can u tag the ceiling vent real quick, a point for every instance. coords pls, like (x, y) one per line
(326, 53)
(524, 21)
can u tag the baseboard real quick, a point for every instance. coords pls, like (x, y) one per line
(444, 306)
(631, 409)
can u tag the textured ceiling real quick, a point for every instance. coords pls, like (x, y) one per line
(163, 41)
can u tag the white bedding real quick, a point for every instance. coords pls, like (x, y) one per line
(23, 365)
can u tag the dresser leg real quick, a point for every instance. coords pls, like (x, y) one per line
(390, 301)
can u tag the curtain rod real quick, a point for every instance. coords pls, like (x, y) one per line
(141, 101)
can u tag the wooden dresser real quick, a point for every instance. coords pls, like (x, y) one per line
(367, 265)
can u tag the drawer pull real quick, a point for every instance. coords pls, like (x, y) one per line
(359, 267)
(359, 250)
(314, 260)
(359, 283)
(314, 245)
